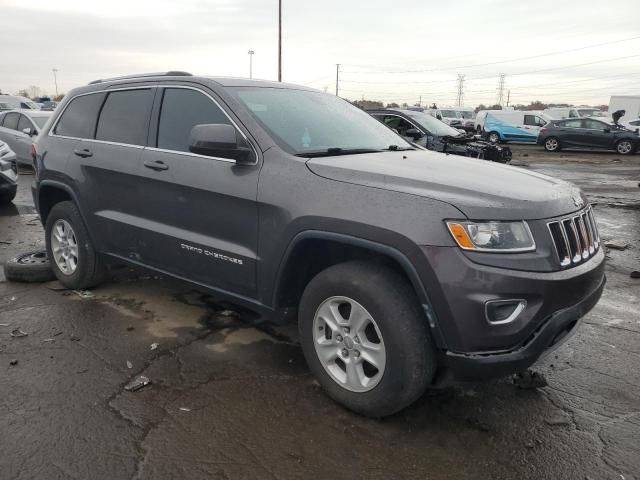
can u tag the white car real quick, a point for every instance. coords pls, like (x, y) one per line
(560, 113)
(18, 129)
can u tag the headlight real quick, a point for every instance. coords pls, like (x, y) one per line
(492, 236)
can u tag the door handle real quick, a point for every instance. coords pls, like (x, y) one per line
(158, 165)
(84, 152)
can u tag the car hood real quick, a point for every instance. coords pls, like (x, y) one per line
(482, 190)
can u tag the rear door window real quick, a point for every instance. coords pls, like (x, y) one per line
(79, 118)
(181, 110)
(124, 118)
(11, 121)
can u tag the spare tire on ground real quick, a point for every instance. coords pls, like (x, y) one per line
(29, 267)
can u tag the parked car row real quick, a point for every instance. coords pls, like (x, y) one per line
(19, 128)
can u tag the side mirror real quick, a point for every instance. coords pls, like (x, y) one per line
(413, 133)
(29, 131)
(439, 117)
(219, 140)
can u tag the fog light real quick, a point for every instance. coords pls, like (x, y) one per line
(500, 312)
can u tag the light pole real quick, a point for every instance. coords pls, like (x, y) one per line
(55, 79)
(251, 52)
(279, 40)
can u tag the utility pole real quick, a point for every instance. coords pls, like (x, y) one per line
(279, 40)
(251, 52)
(420, 101)
(500, 97)
(508, 96)
(55, 79)
(337, 77)
(460, 90)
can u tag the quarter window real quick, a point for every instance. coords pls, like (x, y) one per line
(79, 118)
(11, 121)
(24, 122)
(124, 117)
(182, 109)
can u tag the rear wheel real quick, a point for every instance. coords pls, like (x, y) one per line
(552, 144)
(73, 258)
(625, 147)
(494, 137)
(365, 338)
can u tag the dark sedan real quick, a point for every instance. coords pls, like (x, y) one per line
(433, 134)
(588, 133)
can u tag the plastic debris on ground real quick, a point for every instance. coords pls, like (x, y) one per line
(13, 362)
(17, 333)
(185, 409)
(137, 383)
(129, 365)
(84, 293)
(154, 346)
(616, 244)
(529, 380)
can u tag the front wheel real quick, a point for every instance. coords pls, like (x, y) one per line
(552, 144)
(365, 337)
(625, 147)
(7, 196)
(494, 137)
(73, 258)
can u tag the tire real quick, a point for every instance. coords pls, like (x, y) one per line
(493, 137)
(82, 268)
(392, 315)
(552, 144)
(625, 146)
(29, 267)
(7, 196)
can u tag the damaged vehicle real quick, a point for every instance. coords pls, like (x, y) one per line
(429, 132)
(8, 174)
(404, 268)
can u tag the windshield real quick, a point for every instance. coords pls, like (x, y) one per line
(304, 122)
(590, 112)
(433, 125)
(450, 113)
(40, 121)
(467, 114)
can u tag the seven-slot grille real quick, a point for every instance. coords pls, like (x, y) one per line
(575, 237)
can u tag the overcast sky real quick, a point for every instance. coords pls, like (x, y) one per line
(391, 51)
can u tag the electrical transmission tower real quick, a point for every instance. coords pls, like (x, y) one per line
(460, 100)
(500, 97)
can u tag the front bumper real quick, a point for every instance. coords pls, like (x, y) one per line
(474, 347)
(552, 333)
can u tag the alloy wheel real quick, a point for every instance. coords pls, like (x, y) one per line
(64, 247)
(624, 147)
(349, 344)
(551, 144)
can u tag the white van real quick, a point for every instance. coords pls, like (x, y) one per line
(560, 113)
(456, 117)
(513, 126)
(16, 102)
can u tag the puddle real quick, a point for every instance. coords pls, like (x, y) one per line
(242, 336)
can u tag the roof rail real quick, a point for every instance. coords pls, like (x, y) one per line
(171, 73)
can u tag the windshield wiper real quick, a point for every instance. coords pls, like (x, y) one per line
(395, 148)
(334, 151)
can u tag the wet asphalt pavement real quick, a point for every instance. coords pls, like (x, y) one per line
(232, 398)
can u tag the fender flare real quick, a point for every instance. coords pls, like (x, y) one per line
(383, 249)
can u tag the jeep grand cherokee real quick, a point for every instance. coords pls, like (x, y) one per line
(403, 266)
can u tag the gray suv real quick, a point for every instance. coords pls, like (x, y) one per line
(405, 268)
